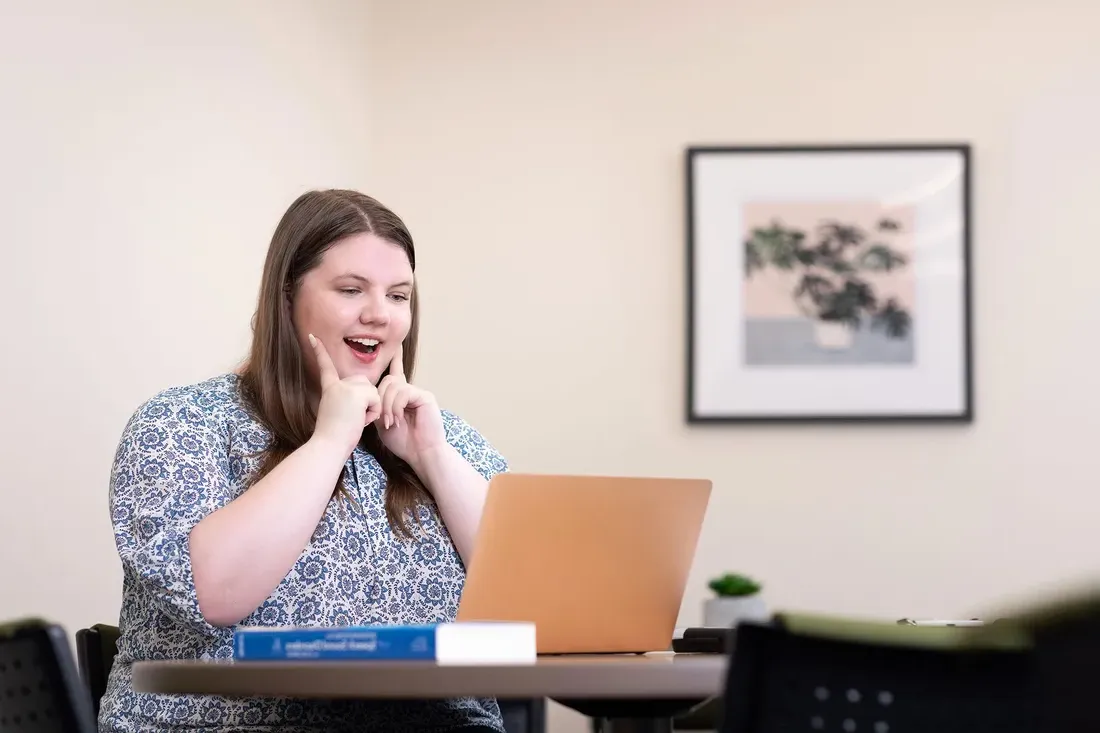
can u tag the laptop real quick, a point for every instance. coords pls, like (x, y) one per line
(599, 564)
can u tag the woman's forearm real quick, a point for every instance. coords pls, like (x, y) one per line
(241, 552)
(459, 492)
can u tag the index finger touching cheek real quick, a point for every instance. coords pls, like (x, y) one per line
(397, 364)
(325, 368)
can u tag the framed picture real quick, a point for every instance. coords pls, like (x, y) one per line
(829, 283)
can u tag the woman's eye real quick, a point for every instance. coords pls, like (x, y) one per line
(401, 297)
(349, 291)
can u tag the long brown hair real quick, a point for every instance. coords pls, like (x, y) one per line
(274, 377)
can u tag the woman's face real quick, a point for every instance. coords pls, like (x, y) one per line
(358, 303)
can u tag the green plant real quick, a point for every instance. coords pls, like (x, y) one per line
(733, 584)
(830, 260)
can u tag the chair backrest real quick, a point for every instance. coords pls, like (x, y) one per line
(781, 679)
(96, 647)
(40, 690)
(1066, 633)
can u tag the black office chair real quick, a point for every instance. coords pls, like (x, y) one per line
(97, 645)
(1065, 631)
(818, 674)
(40, 690)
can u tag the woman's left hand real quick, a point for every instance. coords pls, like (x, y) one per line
(411, 424)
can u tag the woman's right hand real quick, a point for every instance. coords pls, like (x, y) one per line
(347, 405)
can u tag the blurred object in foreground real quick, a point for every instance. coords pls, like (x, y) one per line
(1065, 634)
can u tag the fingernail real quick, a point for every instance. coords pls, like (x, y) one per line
(312, 341)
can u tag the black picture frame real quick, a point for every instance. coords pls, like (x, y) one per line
(914, 359)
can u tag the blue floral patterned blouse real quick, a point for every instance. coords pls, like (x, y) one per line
(189, 451)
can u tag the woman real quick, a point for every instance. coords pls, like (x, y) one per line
(315, 486)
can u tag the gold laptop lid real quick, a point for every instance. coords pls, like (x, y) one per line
(598, 563)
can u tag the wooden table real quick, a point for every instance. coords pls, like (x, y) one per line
(626, 691)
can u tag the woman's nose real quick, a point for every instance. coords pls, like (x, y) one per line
(374, 311)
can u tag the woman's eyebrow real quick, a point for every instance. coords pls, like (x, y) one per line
(367, 281)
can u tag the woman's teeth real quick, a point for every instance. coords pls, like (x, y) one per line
(365, 345)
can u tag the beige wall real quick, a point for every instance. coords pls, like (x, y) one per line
(146, 153)
(535, 150)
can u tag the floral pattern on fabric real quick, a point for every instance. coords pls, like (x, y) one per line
(189, 451)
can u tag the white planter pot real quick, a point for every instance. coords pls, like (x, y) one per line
(833, 335)
(728, 611)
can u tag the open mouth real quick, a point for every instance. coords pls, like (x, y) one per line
(363, 346)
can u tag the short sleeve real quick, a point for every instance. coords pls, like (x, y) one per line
(170, 471)
(473, 446)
